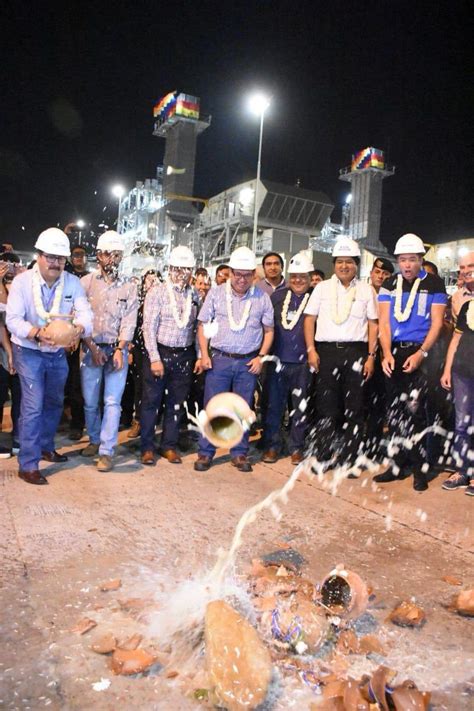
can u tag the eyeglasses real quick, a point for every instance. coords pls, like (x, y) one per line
(52, 258)
(243, 275)
(181, 270)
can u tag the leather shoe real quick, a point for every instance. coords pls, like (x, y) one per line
(241, 463)
(419, 481)
(148, 457)
(270, 456)
(171, 455)
(202, 463)
(389, 475)
(53, 457)
(297, 457)
(33, 477)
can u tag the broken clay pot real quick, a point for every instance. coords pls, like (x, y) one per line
(344, 593)
(105, 644)
(132, 661)
(463, 603)
(238, 663)
(84, 626)
(407, 614)
(407, 697)
(225, 419)
(300, 622)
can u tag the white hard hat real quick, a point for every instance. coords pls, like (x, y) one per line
(409, 244)
(242, 258)
(300, 264)
(346, 247)
(54, 241)
(182, 256)
(110, 241)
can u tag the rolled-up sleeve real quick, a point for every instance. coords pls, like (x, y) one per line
(16, 311)
(267, 315)
(129, 320)
(82, 311)
(314, 302)
(151, 320)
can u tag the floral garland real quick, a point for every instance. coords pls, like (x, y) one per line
(404, 315)
(233, 324)
(44, 315)
(470, 315)
(284, 311)
(184, 320)
(350, 295)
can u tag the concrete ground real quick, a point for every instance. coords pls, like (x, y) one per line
(154, 527)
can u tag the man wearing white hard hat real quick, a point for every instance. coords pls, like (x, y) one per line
(237, 317)
(169, 331)
(411, 307)
(342, 351)
(36, 298)
(114, 302)
(290, 380)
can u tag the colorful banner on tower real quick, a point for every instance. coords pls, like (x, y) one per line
(177, 104)
(368, 158)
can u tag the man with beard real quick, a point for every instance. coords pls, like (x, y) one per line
(289, 379)
(242, 317)
(411, 312)
(169, 330)
(36, 297)
(114, 303)
(342, 352)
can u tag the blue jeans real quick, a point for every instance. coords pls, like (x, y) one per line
(103, 430)
(291, 381)
(463, 433)
(228, 375)
(177, 380)
(42, 379)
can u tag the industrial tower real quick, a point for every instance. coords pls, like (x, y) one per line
(365, 174)
(178, 121)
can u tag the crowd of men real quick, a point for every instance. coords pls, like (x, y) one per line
(341, 369)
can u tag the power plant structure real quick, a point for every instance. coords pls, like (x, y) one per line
(163, 212)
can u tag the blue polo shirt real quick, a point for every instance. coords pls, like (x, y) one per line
(289, 346)
(431, 291)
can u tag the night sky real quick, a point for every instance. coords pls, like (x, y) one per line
(80, 80)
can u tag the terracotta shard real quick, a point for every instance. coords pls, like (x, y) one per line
(84, 626)
(335, 704)
(463, 603)
(348, 642)
(353, 699)
(451, 580)
(131, 661)
(265, 603)
(171, 674)
(134, 604)
(344, 593)
(408, 698)
(407, 614)
(303, 622)
(131, 643)
(105, 644)
(239, 665)
(369, 644)
(381, 678)
(110, 585)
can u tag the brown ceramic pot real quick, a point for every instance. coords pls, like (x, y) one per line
(225, 419)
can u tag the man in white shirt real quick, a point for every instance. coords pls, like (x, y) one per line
(344, 312)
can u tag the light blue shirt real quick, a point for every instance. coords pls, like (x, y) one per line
(21, 311)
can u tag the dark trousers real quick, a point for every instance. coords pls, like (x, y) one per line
(292, 382)
(340, 400)
(178, 365)
(439, 405)
(375, 408)
(228, 375)
(12, 383)
(132, 395)
(73, 391)
(406, 396)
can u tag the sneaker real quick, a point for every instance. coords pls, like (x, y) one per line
(105, 463)
(5, 453)
(455, 481)
(91, 450)
(470, 489)
(15, 448)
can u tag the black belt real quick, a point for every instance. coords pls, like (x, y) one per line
(174, 348)
(239, 356)
(407, 344)
(341, 344)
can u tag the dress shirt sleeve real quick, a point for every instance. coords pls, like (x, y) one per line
(129, 319)
(314, 302)
(151, 321)
(372, 312)
(208, 309)
(82, 310)
(16, 310)
(267, 314)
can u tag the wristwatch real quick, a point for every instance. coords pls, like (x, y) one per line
(36, 336)
(425, 353)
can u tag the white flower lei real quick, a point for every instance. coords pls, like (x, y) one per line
(184, 320)
(233, 324)
(405, 314)
(58, 294)
(470, 315)
(284, 312)
(349, 297)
